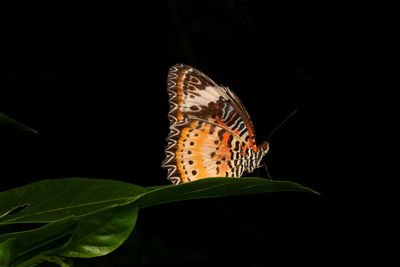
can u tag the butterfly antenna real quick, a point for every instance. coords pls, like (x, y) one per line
(281, 124)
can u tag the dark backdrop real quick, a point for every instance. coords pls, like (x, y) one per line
(91, 79)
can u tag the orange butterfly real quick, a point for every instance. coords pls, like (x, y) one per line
(211, 133)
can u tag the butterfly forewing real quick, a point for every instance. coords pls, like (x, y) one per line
(211, 134)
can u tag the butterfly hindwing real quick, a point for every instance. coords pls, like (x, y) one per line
(203, 150)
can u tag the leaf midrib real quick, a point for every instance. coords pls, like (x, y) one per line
(124, 201)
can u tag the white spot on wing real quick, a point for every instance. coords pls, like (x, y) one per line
(204, 97)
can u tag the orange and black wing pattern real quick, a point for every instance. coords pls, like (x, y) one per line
(211, 134)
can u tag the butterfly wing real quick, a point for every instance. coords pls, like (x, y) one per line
(210, 130)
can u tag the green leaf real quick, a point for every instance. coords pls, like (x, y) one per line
(92, 217)
(95, 235)
(101, 233)
(37, 241)
(217, 187)
(60, 261)
(8, 251)
(7, 122)
(52, 200)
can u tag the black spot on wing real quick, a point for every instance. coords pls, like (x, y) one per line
(237, 146)
(212, 129)
(230, 141)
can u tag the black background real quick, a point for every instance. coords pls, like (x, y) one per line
(91, 79)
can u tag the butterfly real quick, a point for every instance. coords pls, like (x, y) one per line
(211, 133)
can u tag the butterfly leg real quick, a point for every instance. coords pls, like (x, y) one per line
(266, 169)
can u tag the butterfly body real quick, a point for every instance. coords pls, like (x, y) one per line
(211, 134)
